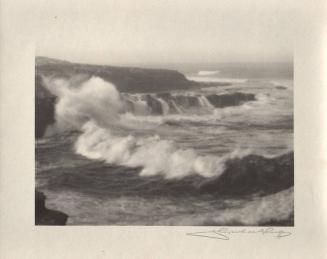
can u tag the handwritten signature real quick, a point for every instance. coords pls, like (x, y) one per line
(224, 233)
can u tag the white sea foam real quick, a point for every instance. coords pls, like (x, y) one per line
(205, 103)
(154, 155)
(164, 105)
(96, 108)
(208, 73)
(94, 99)
(212, 79)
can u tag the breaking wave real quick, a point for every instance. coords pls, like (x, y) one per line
(212, 79)
(208, 73)
(97, 109)
(168, 161)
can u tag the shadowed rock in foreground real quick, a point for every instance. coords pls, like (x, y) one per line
(44, 216)
(288, 222)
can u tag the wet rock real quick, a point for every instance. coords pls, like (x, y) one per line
(280, 87)
(45, 216)
(253, 174)
(44, 108)
(233, 99)
(154, 104)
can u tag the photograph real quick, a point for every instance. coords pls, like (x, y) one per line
(165, 114)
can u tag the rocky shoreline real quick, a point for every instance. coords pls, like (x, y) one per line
(45, 216)
(253, 174)
(126, 79)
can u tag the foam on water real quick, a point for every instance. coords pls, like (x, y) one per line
(216, 79)
(168, 161)
(208, 73)
(178, 135)
(96, 107)
(164, 105)
(265, 210)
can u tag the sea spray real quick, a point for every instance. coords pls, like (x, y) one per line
(94, 99)
(95, 108)
(154, 155)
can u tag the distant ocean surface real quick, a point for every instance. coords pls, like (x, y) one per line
(139, 159)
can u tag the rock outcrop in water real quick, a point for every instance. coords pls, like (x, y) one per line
(155, 105)
(253, 174)
(233, 99)
(176, 103)
(44, 216)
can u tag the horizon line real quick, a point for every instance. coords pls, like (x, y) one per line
(165, 63)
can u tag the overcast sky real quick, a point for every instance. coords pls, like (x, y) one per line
(152, 31)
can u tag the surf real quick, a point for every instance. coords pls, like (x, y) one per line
(98, 111)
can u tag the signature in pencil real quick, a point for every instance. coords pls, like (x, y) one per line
(225, 233)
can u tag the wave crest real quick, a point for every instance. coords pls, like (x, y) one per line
(154, 155)
(96, 108)
(208, 73)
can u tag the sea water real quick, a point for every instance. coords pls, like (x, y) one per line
(117, 158)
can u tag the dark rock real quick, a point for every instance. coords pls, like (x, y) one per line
(154, 104)
(44, 115)
(126, 79)
(165, 96)
(233, 99)
(187, 101)
(44, 216)
(280, 87)
(280, 223)
(44, 107)
(180, 100)
(253, 174)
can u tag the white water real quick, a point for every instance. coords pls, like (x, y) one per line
(96, 108)
(122, 129)
(210, 79)
(208, 73)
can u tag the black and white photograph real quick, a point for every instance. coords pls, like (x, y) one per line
(163, 129)
(165, 122)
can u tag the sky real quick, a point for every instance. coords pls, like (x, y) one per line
(164, 31)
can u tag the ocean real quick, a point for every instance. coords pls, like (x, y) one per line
(161, 158)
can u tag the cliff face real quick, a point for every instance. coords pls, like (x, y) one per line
(126, 79)
(44, 108)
